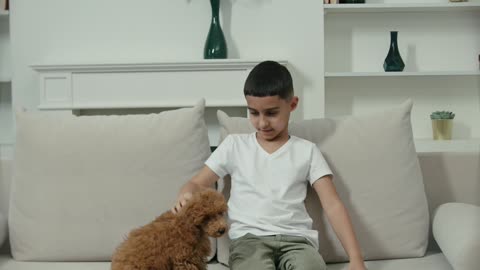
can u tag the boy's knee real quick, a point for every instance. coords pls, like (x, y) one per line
(308, 259)
(308, 264)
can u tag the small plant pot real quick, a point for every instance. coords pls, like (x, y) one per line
(442, 129)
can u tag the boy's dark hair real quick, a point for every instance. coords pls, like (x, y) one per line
(269, 78)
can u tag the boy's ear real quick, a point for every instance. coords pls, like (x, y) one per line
(293, 103)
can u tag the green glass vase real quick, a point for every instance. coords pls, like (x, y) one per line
(393, 61)
(215, 45)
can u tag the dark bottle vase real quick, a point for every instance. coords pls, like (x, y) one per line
(215, 45)
(393, 61)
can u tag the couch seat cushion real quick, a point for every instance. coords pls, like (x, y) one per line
(433, 261)
(8, 263)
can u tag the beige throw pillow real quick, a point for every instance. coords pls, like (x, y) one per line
(82, 183)
(377, 175)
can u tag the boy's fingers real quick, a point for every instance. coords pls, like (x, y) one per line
(183, 202)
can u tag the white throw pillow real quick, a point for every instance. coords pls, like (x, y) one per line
(82, 183)
(377, 175)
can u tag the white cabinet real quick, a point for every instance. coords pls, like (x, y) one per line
(440, 45)
(6, 115)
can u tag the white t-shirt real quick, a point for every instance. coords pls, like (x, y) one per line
(268, 190)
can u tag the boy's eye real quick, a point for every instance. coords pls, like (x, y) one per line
(271, 113)
(253, 113)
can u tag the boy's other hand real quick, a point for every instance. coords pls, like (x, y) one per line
(181, 202)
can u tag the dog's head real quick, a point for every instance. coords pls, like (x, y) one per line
(207, 210)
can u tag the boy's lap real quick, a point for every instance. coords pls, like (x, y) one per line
(269, 252)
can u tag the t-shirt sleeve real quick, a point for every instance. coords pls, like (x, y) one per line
(218, 160)
(318, 166)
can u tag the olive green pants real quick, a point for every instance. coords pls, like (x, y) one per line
(284, 252)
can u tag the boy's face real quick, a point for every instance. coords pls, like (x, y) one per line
(270, 116)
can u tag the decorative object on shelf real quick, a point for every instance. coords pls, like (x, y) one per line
(330, 1)
(442, 122)
(393, 61)
(352, 1)
(215, 45)
(4, 5)
(458, 0)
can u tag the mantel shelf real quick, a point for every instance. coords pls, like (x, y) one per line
(143, 85)
(201, 65)
(401, 74)
(4, 13)
(5, 79)
(403, 7)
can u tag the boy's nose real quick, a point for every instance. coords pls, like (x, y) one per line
(263, 122)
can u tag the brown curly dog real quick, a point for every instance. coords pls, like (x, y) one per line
(175, 241)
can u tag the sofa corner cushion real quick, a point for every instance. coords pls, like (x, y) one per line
(81, 183)
(456, 228)
(3, 229)
(377, 175)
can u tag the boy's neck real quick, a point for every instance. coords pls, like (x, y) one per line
(280, 139)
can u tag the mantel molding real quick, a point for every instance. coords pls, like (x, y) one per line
(202, 65)
(143, 85)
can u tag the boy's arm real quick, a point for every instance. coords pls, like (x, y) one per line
(205, 178)
(339, 219)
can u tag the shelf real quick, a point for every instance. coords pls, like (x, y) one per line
(429, 145)
(401, 74)
(5, 79)
(406, 7)
(4, 13)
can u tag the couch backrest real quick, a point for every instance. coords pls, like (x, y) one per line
(448, 177)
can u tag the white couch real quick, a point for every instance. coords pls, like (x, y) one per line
(79, 184)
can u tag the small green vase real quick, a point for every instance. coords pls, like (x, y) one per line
(215, 45)
(393, 61)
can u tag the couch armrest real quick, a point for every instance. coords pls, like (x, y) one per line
(456, 228)
(3, 229)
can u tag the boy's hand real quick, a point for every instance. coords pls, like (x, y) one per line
(181, 202)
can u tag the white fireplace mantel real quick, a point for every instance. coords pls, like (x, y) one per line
(143, 85)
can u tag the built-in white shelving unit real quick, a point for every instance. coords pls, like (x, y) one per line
(427, 145)
(438, 76)
(402, 74)
(6, 114)
(401, 7)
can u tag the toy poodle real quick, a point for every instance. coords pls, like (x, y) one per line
(175, 241)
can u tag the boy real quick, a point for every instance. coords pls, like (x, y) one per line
(270, 228)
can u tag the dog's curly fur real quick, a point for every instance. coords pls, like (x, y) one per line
(175, 241)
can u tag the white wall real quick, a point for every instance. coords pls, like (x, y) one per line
(89, 31)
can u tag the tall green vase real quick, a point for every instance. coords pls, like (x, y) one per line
(215, 45)
(393, 61)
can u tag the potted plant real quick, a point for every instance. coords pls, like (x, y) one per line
(442, 122)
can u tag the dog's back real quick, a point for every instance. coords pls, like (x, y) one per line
(141, 249)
